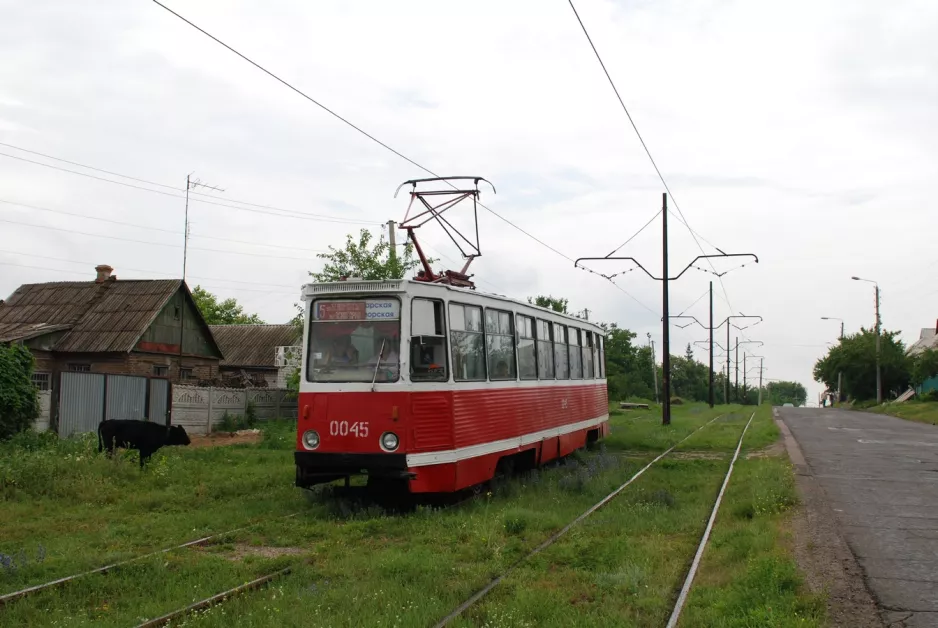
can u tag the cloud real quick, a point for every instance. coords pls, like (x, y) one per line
(804, 133)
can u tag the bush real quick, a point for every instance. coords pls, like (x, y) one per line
(250, 415)
(19, 400)
(677, 401)
(931, 395)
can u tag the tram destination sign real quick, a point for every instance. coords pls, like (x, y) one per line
(370, 310)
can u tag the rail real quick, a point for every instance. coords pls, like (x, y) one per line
(16, 595)
(689, 581)
(481, 593)
(215, 599)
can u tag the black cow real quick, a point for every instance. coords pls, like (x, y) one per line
(144, 436)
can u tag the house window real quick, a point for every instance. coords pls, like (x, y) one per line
(81, 368)
(500, 344)
(176, 312)
(545, 350)
(185, 373)
(41, 380)
(527, 348)
(560, 351)
(576, 366)
(161, 371)
(465, 323)
(427, 342)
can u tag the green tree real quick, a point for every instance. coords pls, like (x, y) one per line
(780, 393)
(629, 368)
(689, 378)
(924, 366)
(227, 312)
(366, 260)
(551, 303)
(855, 357)
(689, 353)
(19, 401)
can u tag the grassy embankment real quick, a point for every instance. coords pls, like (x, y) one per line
(622, 566)
(919, 411)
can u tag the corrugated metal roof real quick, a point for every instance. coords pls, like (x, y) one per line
(253, 345)
(107, 316)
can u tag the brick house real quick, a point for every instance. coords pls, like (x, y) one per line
(252, 349)
(109, 326)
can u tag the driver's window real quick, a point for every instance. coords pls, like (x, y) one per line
(427, 342)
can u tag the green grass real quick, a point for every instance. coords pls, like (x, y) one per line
(918, 411)
(362, 567)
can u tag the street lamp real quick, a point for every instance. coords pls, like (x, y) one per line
(879, 374)
(834, 318)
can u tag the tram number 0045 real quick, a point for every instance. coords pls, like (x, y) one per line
(359, 429)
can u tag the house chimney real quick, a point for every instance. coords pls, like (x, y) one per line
(104, 273)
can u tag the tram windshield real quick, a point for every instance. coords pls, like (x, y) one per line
(354, 340)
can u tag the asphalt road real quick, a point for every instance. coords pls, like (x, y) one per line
(880, 475)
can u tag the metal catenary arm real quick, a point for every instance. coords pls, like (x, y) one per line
(576, 264)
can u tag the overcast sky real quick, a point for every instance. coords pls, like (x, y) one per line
(804, 132)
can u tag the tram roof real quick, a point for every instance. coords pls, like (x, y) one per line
(358, 287)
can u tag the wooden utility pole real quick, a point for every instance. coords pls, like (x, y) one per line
(190, 183)
(392, 240)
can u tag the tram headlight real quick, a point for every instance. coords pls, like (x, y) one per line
(311, 439)
(389, 441)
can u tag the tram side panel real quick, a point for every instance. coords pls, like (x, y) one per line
(489, 424)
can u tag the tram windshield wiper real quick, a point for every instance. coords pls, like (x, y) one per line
(374, 377)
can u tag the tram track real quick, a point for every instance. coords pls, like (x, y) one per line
(702, 546)
(481, 593)
(52, 584)
(214, 600)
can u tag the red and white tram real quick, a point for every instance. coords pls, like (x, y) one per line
(433, 385)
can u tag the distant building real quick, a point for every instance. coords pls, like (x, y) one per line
(108, 326)
(928, 339)
(251, 351)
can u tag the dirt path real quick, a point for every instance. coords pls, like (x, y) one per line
(218, 439)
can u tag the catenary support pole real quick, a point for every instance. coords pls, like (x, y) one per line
(665, 321)
(711, 345)
(879, 371)
(761, 360)
(736, 385)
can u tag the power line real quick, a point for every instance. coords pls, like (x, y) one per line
(149, 228)
(350, 124)
(175, 246)
(149, 272)
(164, 185)
(292, 213)
(644, 145)
(697, 300)
(76, 272)
(635, 235)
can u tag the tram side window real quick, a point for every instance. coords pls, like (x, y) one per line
(587, 355)
(527, 348)
(576, 366)
(601, 344)
(427, 342)
(545, 350)
(560, 351)
(468, 344)
(500, 344)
